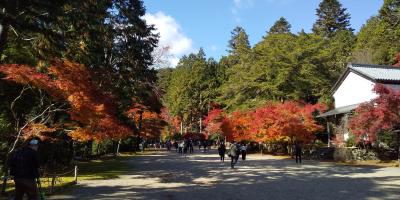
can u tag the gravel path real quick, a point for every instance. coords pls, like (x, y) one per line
(165, 175)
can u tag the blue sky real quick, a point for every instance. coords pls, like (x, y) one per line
(187, 25)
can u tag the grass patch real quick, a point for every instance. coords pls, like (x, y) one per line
(104, 168)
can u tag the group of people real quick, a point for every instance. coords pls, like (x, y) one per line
(235, 150)
(183, 146)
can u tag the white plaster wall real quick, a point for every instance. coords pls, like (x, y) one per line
(353, 90)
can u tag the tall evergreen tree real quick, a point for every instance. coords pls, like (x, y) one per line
(134, 42)
(193, 84)
(390, 12)
(378, 40)
(239, 42)
(108, 36)
(280, 26)
(331, 18)
(32, 24)
(237, 65)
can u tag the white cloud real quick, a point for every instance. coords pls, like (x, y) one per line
(281, 2)
(243, 4)
(238, 5)
(171, 35)
(214, 48)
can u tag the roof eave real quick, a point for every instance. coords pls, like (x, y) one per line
(346, 73)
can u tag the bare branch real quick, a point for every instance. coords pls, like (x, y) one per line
(15, 32)
(16, 99)
(26, 124)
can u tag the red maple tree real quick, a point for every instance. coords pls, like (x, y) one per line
(381, 113)
(94, 111)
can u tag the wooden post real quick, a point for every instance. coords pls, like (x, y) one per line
(329, 133)
(398, 146)
(119, 143)
(76, 174)
(181, 128)
(53, 181)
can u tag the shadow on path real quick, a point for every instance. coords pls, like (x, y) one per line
(165, 175)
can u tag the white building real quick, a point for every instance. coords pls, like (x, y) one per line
(355, 86)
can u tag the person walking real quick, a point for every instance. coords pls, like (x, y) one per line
(297, 149)
(243, 150)
(175, 144)
(180, 147)
(221, 151)
(191, 149)
(24, 166)
(234, 154)
(185, 147)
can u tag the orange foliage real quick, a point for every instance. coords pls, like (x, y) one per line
(152, 122)
(273, 121)
(37, 130)
(95, 112)
(240, 126)
(213, 121)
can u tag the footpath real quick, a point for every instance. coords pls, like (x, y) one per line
(168, 176)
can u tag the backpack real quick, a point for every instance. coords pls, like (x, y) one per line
(18, 163)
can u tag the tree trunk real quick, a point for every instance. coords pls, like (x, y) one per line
(3, 36)
(97, 149)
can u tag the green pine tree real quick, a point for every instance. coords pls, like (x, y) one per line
(331, 18)
(280, 26)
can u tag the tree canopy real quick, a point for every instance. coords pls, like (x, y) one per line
(331, 18)
(280, 26)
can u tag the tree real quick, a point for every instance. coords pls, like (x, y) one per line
(94, 112)
(381, 113)
(134, 42)
(331, 18)
(280, 26)
(239, 43)
(237, 65)
(272, 122)
(189, 101)
(238, 126)
(389, 17)
(274, 72)
(370, 47)
(291, 120)
(214, 122)
(108, 36)
(378, 40)
(22, 18)
(390, 11)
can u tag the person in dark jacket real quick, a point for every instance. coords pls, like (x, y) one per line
(221, 151)
(297, 150)
(191, 149)
(24, 166)
(243, 151)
